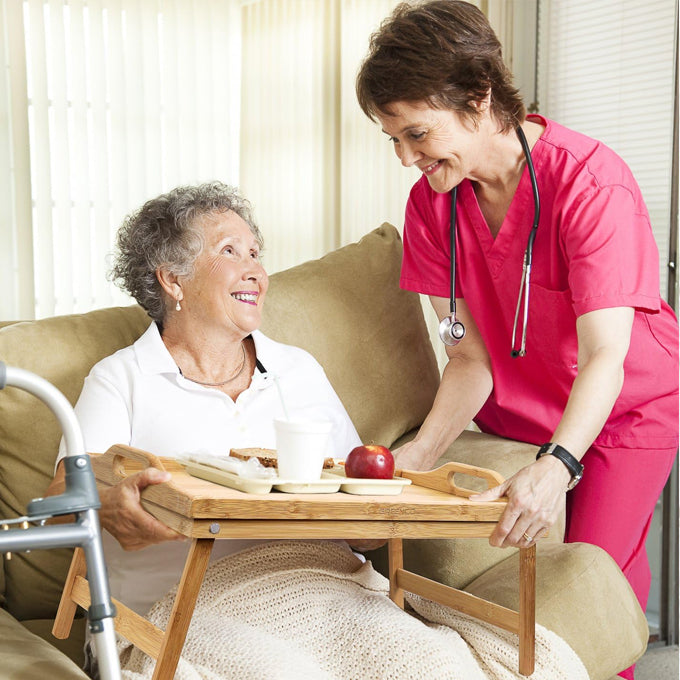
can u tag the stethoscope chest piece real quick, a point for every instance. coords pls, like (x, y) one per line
(451, 332)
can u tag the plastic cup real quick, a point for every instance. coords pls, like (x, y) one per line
(301, 447)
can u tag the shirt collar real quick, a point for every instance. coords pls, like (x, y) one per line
(152, 354)
(154, 358)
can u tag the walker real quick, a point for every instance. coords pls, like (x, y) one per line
(79, 498)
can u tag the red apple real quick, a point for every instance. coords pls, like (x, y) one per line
(370, 461)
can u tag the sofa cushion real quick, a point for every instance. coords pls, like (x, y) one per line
(62, 350)
(370, 336)
(582, 596)
(28, 657)
(456, 562)
(73, 646)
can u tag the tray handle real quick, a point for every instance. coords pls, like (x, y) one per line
(120, 453)
(442, 478)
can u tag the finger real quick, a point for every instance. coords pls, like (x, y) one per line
(154, 531)
(142, 529)
(150, 476)
(528, 536)
(492, 494)
(506, 524)
(543, 531)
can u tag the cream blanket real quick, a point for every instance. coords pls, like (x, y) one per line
(298, 610)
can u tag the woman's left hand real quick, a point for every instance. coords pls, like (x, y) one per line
(536, 497)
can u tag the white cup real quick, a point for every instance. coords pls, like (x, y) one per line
(301, 447)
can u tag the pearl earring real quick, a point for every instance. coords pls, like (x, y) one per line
(178, 307)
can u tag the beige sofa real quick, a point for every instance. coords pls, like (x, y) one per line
(347, 310)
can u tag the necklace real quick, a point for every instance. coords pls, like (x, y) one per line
(224, 382)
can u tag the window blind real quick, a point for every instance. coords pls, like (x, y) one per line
(126, 99)
(606, 69)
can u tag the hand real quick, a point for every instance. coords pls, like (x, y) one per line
(123, 516)
(536, 496)
(411, 456)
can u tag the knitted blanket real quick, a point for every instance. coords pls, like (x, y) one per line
(311, 610)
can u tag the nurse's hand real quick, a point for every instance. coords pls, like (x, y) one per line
(413, 455)
(123, 516)
(536, 497)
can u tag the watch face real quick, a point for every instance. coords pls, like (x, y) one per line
(574, 481)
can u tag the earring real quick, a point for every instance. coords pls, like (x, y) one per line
(178, 307)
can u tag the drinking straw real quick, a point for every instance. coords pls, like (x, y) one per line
(283, 401)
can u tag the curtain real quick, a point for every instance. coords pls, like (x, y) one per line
(607, 69)
(319, 173)
(123, 99)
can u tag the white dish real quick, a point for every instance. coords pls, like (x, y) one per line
(330, 482)
(245, 484)
(327, 484)
(369, 487)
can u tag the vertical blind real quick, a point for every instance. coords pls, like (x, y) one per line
(606, 69)
(124, 99)
(318, 172)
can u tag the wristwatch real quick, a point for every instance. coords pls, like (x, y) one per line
(572, 464)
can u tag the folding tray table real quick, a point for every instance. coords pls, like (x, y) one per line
(432, 506)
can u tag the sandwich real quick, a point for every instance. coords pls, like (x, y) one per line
(268, 457)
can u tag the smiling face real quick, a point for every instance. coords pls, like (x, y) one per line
(443, 145)
(228, 286)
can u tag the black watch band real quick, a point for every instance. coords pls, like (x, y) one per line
(572, 464)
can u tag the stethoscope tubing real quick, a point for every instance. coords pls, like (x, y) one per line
(525, 283)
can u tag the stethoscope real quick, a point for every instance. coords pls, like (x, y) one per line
(452, 331)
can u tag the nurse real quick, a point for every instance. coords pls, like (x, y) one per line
(596, 388)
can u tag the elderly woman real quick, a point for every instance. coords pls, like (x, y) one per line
(576, 353)
(201, 378)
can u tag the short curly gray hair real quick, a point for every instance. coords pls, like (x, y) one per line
(164, 232)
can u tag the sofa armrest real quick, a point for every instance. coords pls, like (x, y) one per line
(582, 595)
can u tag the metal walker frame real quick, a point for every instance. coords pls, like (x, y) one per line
(80, 498)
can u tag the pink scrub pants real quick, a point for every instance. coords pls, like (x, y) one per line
(612, 507)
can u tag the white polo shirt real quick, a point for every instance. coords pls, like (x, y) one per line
(138, 397)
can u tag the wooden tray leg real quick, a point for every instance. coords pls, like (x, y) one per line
(67, 606)
(183, 608)
(395, 553)
(527, 610)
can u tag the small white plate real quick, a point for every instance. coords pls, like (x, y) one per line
(327, 484)
(369, 487)
(245, 484)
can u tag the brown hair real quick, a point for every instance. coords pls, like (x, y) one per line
(442, 52)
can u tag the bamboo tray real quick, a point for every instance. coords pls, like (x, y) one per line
(196, 507)
(432, 505)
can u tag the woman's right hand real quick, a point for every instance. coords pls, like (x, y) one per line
(123, 516)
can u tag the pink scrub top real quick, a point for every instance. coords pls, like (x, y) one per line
(594, 249)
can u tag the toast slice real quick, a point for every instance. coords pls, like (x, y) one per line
(268, 457)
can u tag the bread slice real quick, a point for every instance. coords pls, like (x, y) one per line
(268, 457)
